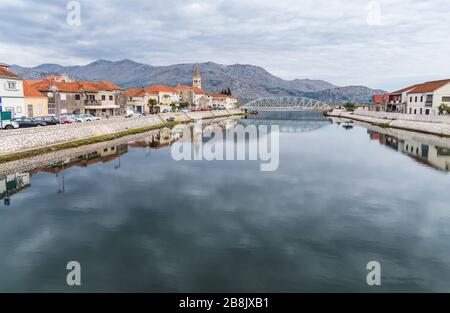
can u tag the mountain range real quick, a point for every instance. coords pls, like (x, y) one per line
(245, 81)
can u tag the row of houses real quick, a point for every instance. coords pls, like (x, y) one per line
(56, 95)
(419, 99)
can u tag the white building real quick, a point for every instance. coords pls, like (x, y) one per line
(224, 101)
(425, 99)
(11, 92)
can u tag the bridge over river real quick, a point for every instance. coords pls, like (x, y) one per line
(286, 104)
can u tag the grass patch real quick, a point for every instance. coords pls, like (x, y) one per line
(88, 141)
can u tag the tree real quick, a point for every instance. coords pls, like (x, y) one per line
(229, 91)
(152, 104)
(350, 106)
(444, 109)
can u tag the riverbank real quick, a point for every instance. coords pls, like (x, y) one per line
(41, 160)
(25, 143)
(438, 127)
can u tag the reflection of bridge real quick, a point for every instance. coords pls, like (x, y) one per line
(286, 103)
(289, 126)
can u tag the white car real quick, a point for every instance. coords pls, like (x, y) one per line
(132, 113)
(8, 124)
(89, 117)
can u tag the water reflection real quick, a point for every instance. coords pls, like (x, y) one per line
(289, 122)
(430, 154)
(139, 221)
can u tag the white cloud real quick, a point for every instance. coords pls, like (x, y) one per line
(379, 43)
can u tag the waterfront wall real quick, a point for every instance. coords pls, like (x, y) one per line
(404, 117)
(19, 140)
(378, 118)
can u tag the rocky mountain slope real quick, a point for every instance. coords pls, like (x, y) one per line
(245, 81)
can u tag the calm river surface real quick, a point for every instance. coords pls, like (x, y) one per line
(137, 220)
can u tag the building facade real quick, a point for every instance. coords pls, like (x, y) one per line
(221, 101)
(36, 102)
(425, 99)
(11, 92)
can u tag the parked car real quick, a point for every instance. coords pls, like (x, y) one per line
(79, 118)
(132, 113)
(184, 110)
(89, 117)
(28, 122)
(66, 119)
(49, 120)
(9, 124)
(170, 119)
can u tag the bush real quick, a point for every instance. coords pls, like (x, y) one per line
(444, 109)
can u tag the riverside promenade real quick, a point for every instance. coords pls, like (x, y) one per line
(14, 142)
(428, 124)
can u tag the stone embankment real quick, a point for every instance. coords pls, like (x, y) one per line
(435, 125)
(20, 140)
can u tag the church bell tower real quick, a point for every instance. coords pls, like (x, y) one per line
(197, 79)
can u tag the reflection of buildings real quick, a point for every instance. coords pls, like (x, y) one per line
(103, 155)
(433, 155)
(14, 183)
(19, 181)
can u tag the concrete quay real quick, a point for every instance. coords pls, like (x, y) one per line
(28, 139)
(437, 125)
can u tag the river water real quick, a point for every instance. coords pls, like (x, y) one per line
(137, 220)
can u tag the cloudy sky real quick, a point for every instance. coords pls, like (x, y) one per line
(382, 44)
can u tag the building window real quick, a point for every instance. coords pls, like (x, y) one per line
(427, 112)
(420, 111)
(410, 110)
(77, 97)
(445, 99)
(410, 99)
(415, 99)
(421, 99)
(415, 111)
(111, 98)
(103, 97)
(19, 109)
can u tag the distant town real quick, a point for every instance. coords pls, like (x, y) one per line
(60, 95)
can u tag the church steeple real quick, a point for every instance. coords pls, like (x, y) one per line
(197, 79)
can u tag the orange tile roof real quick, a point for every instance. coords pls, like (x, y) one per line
(108, 86)
(222, 96)
(429, 86)
(4, 72)
(135, 92)
(30, 89)
(160, 88)
(74, 87)
(195, 89)
(403, 90)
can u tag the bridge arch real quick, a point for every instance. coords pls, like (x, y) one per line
(285, 103)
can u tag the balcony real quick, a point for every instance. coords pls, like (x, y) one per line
(92, 102)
